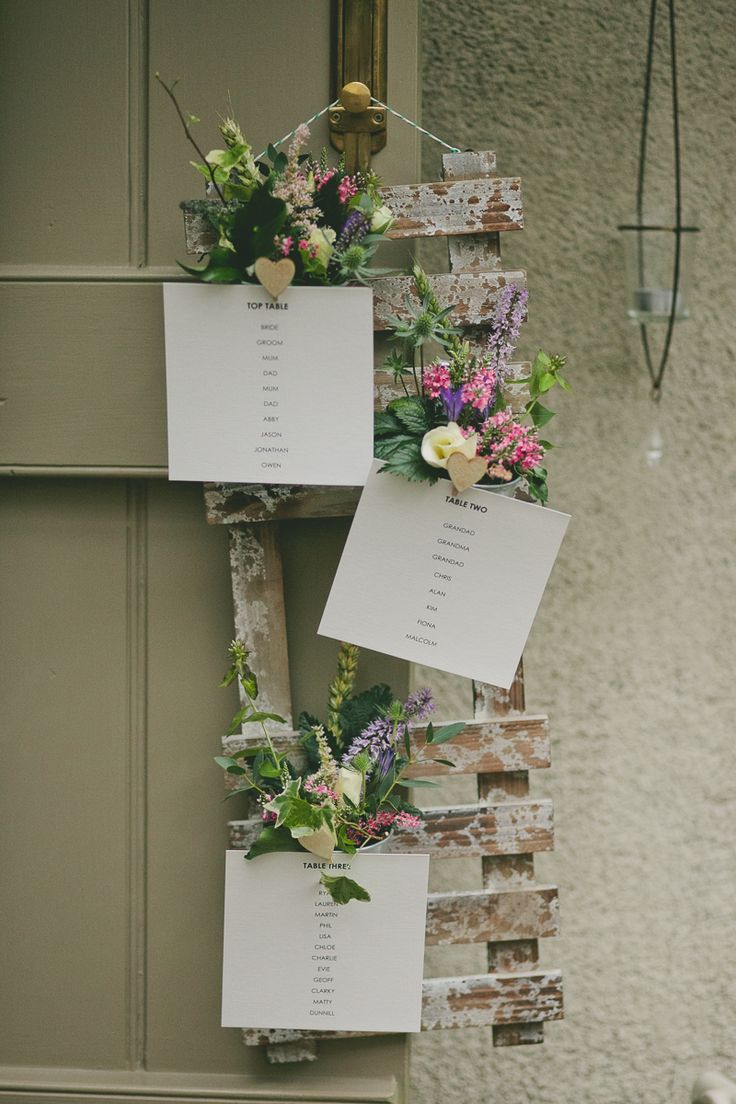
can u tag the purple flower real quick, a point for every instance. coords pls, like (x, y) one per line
(354, 228)
(453, 402)
(379, 741)
(419, 705)
(505, 327)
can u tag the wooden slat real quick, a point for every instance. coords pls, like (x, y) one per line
(479, 206)
(462, 831)
(474, 296)
(478, 917)
(507, 744)
(468, 164)
(472, 252)
(504, 744)
(480, 1000)
(234, 503)
(257, 582)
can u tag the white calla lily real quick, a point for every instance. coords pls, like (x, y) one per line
(349, 784)
(438, 444)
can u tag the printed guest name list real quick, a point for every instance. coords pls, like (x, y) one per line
(269, 391)
(294, 958)
(452, 581)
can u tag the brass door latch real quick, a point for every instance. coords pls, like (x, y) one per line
(357, 127)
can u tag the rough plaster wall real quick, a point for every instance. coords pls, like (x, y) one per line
(632, 651)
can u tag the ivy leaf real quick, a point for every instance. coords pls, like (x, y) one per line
(272, 839)
(342, 889)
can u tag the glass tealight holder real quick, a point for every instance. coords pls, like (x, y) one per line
(649, 250)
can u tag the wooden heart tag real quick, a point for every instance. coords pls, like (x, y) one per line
(463, 472)
(274, 275)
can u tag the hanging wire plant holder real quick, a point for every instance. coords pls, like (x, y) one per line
(658, 248)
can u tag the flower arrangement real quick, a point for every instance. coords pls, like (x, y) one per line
(457, 404)
(343, 789)
(327, 222)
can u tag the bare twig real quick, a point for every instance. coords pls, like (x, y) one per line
(187, 130)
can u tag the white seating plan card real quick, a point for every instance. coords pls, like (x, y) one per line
(295, 959)
(269, 391)
(451, 581)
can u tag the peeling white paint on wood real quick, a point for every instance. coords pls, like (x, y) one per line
(478, 206)
(474, 295)
(260, 619)
(479, 1000)
(531, 912)
(461, 831)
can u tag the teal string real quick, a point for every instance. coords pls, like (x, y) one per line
(319, 114)
(453, 149)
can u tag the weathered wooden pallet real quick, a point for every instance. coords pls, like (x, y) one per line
(479, 1000)
(446, 208)
(470, 207)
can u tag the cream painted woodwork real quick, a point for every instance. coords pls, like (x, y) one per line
(117, 604)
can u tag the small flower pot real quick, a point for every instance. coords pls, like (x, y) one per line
(508, 490)
(374, 845)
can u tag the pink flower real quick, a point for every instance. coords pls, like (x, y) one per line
(320, 179)
(286, 245)
(346, 189)
(435, 377)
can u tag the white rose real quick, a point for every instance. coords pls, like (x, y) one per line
(324, 240)
(321, 843)
(381, 220)
(438, 444)
(349, 784)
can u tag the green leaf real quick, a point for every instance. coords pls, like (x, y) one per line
(412, 413)
(222, 274)
(247, 752)
(410, 783)
(225, 761)
(540, 415)
(406, 459)
(385, 423)
(429, 735)
(269, 769)
(343, 889)
(447, 732)
(444, 762)
(256, 716)
(546, 382)
(272, 839)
